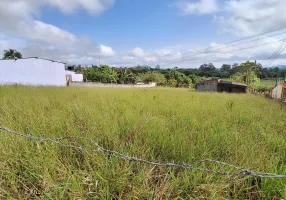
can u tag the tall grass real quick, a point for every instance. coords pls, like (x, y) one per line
(165, 125)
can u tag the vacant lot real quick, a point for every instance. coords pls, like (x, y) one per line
(270, 83)
(164, 125)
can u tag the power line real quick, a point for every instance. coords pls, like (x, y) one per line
(240, 49)
(277, 54)
(213, 49)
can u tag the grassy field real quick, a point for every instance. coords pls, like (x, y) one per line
(164, 125)
(270, 83)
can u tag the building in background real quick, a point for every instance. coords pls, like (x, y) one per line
(221, 86)
(279, 92)
(32, 71)
(74, 77)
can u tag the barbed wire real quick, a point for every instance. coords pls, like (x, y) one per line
(239, 171)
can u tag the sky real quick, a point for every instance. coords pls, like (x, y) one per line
(127, 33)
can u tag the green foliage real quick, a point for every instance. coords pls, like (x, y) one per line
(175, 78)
(153, 77)
(195, 79)
(164, 125)
(246, 73)
(11, 54)
(171, 82)
(125, 76)
(103, 74)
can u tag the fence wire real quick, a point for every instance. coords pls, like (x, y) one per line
(236, 171)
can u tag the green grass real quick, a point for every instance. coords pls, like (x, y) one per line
(270, 83)
(165, 125)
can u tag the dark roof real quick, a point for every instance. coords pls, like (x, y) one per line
(34, 58)
(240, 84)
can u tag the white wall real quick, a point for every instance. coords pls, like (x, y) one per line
(77, 77)
(68, 72)
(32, 72)
(277, 92)
(91, 84)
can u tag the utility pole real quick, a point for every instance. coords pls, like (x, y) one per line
(99, 61)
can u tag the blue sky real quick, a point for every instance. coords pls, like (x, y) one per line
(132, 32)
(130, 23)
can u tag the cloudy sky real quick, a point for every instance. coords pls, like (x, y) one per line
(147, 32)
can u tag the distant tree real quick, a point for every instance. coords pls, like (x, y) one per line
(207, 67)
(153, 77)
(125, 76)
(225, 67)
(181, 79)
(225, 71)
(234, 65)
(11, 54)
(246, 73)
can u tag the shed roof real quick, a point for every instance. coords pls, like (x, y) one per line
(35, 58)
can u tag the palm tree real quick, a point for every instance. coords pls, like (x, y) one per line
(12, 54)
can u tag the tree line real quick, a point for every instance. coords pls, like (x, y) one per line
(248, 72)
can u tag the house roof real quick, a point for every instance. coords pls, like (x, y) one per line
(35, 58)
(240, 84)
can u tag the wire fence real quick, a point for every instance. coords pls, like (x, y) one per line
(234, 170)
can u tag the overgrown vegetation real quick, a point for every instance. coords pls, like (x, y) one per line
(157, 124)
(248, 72)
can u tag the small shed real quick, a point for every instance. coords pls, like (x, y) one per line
(221, 86)
(32, 71)
(279, 92)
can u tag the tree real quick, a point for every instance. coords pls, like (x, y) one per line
(225, 67)
(195, 79)
(246, 69)
(225, 70)
(11, 54)
(207, 67)
(180, 79)
(153, 77)
(246, 74)
(208, 70)
(125, 76)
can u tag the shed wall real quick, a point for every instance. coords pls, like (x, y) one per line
(32, 72)
(207, 87)
(278, 91)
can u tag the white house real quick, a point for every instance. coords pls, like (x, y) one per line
(75, 77)
(32, 71)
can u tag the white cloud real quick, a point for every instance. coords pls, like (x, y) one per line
(199, 7)
(151, 59)
(22, 29)
(138, 52)
(106, 51)
(37, 38)
(248, 17)
(70, 6)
